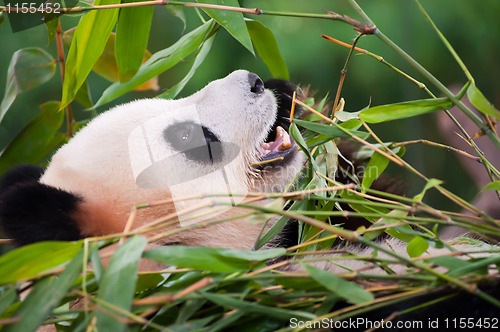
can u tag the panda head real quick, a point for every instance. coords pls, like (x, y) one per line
(161, 150)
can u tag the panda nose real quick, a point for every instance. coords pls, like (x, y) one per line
(256, 84)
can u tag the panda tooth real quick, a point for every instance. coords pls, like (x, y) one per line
(284, 138)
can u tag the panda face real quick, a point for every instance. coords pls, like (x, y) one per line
(154, 149)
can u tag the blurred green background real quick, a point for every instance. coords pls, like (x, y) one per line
(472, 27)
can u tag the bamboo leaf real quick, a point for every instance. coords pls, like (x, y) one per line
(233, 22)
(28, 68)
(106, 65)
(250, 307)
(7, 298)
(366, 152)
(37, 140)
(449, 262)
(28, 261)
(492, 186)
(477, 267)
(212, 259)
(481, 103)
(376, 166)
(200, 57)
(178, 11)
(132, 32)
(417, 246)
(276, 228)
(267, 48)
(118, 282)
(90, 38)
(83, 96)
(297, 137)
(404, 110)
(45, 296)
(431, 183)
(346, 116)
(350, 291)
(51, 26)
(159, 62)
(403, 233)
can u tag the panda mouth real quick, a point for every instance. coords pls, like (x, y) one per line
(276, 150)
(278, 147)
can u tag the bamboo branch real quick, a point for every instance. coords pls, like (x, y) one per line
(447, 147)
(62, 65)
(343, 74)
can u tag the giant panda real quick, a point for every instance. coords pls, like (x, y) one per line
(230, 138)
(155, 149)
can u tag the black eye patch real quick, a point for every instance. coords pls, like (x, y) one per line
(196, 142)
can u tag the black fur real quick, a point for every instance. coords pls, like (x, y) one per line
(32, 212)
(20, 174)
(283, 90)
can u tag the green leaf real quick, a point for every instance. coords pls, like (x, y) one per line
(118, 282)
(481, 103)
(417, 246)
(28, 68)
(431, 183)
(366, 152)
(132, 33)
(332, 131)
(276, 228)
(37, 140)
(90, 38)
(51, 26)
(233, 22)
(477, 243)
(202, 54)
(331, 159)
(346, 116)
(178, 11)
(250, 307)
(404, 110)
(106, 65)
(402, 233)
(297, 137)
(376, 166)
(28, 261)
(449, 262)
(492, 186)
(7, 298)
(477, 267)
(350, 291)
(45, 296)
(211, 259)
(83, 96)
(160, 62)
(267, 48)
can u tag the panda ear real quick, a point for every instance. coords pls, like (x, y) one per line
(32, 212)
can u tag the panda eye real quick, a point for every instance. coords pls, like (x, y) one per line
(194, 141)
